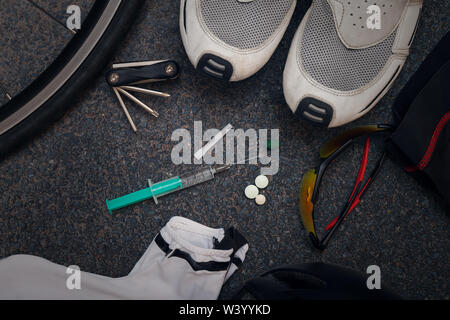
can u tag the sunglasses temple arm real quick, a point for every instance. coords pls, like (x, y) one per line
(369, 182)
(359, 180)
(353, 201)
(340, 218)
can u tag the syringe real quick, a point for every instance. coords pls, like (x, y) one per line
(162, 188)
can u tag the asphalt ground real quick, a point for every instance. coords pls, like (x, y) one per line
(52, 191)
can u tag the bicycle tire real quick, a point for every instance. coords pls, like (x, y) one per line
(48, 97)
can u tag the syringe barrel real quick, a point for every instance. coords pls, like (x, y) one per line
(154, 191)
(195, 178)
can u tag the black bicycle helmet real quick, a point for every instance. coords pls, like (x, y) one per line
(313, 281)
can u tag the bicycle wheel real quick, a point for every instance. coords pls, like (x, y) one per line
(47, 98)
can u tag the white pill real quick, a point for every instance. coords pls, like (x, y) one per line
(260, 199)
(251, 191)
(261, 181)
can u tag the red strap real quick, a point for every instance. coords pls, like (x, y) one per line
(431, 146)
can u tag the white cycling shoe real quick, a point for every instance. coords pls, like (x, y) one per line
(345, 56)
(232, 39)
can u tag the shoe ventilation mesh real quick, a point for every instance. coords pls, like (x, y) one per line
(329, 62)
(244, 25)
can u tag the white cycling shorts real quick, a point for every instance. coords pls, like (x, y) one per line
(186, 260)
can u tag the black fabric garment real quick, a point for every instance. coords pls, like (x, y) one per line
(313, 281)
(232, 240)
(422, 113)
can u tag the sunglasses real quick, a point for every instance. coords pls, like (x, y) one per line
(311, 180)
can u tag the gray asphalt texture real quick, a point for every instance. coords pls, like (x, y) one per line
(52, 192)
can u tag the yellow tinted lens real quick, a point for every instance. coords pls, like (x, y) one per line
(305, 200)
(338, 141)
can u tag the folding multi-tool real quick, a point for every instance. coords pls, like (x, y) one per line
(123, 77)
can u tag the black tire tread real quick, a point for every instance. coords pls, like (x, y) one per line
(54, 108)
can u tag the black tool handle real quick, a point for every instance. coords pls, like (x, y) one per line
(159, 71)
